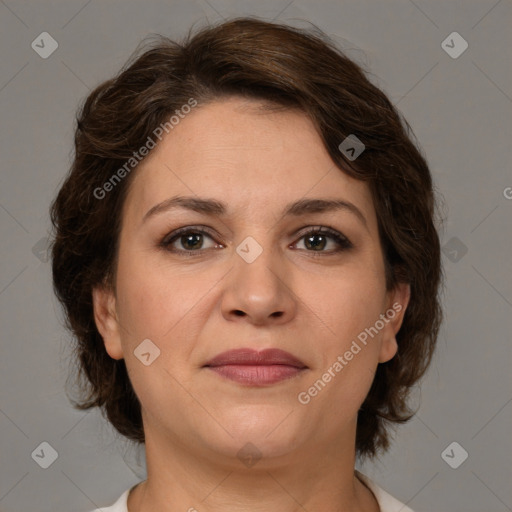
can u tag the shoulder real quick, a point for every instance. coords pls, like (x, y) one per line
(386, 502)
(121, 505)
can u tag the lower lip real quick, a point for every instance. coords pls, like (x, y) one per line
(258, 375)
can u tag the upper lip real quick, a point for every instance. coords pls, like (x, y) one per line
(251, 357)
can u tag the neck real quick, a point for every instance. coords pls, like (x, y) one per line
(311, 478)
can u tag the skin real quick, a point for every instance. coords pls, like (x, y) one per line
(311, 303)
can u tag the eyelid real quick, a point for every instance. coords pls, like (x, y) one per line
(342, 241)
(339, 238)
(188, 229)
(322, 229)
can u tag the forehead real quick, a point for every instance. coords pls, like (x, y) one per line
(252, 159)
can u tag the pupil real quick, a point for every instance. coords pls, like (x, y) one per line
(310, 238)
(194, 241)
(190, 238)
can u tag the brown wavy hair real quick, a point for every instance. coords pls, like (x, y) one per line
(285, 67)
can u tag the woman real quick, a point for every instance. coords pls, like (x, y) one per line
(245, 247)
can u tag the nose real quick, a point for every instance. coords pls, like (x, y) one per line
(259, 291)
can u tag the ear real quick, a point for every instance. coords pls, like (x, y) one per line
(397, 302)
(105, 316)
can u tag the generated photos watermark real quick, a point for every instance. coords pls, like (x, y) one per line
(304, 397)
(158, 133)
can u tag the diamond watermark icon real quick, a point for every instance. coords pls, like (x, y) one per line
(44, 45)
(45, 455)
(249, 249)
(454, 45)
(454, 455)
(454, 249)
(40, 250)
(146, 352)
(352, 147)
(249, 455)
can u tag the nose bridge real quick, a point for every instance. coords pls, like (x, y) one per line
(258, 263)
(258, 284)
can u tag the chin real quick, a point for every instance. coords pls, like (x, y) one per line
(267, 431)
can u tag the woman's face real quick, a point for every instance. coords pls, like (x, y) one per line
(251, 277)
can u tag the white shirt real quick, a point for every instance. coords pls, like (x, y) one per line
(386, 502)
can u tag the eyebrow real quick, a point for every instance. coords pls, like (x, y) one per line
(295, 209)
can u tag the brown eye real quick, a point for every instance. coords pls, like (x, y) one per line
(191, 241)
(317, 240)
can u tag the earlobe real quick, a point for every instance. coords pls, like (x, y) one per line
(399, 300)
(105, 317)
(388, 349)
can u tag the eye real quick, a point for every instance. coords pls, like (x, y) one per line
(190, 239)
(315, 240)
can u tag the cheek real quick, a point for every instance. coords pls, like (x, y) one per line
(349, 356)
(159, 301)
(347, 303)
(164, 306)
(352, 304)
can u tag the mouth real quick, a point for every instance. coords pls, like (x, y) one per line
(256, 368)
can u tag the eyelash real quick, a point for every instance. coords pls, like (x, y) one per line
(343, 242)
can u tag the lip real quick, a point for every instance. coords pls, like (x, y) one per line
(256, 368)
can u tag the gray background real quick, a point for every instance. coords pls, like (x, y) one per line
(460, 110)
